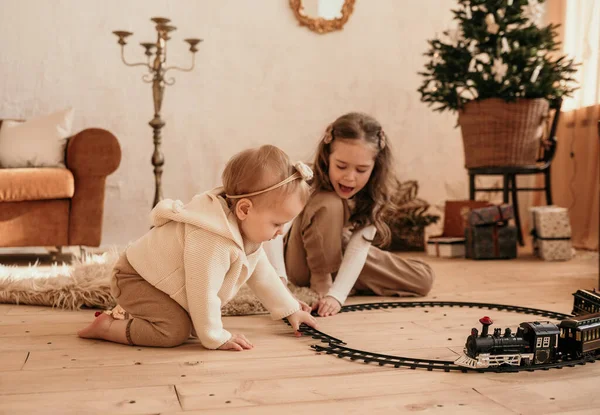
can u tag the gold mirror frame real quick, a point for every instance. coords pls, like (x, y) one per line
(319, 24)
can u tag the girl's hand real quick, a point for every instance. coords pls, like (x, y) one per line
(238, 342)
(300, 317)
(327, 306)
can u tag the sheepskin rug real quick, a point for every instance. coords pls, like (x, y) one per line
(86, 283)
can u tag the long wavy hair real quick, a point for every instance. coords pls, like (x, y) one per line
(373, 202)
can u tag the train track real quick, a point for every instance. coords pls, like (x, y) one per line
(459, 304)
(340, 349)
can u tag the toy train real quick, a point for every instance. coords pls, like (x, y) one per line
(538, 342)
(586, 302)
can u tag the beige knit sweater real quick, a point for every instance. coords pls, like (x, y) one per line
(196, 255)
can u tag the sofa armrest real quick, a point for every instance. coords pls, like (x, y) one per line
(92, 155)
(93, 152)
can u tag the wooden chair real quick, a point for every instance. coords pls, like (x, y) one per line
(510, 173)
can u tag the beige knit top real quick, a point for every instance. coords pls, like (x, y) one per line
(195, 253)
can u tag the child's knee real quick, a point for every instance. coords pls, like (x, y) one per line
(426, 278)
(177, 334)
(325, 211)
(175, 327)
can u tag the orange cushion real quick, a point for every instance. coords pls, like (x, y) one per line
(17, 185)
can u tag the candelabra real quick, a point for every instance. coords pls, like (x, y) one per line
(156, 53)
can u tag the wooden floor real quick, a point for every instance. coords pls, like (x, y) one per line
(45, 368)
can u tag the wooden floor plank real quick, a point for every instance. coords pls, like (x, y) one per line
(148, 400)
(463, 401)
(306, 389)
(29, 310)
(108, 354)
(25, 381)
(13, 360)
(341, 387)
(48, 342)
(48, 316)
(546, 397)
(591, 411)
(38, 329)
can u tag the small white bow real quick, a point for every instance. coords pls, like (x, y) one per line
(305, 171)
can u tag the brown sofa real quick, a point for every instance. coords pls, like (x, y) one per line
(58, 206)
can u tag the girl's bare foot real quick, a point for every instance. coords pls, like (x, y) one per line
(98, 329)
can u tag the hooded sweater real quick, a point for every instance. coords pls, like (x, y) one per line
(195, 253)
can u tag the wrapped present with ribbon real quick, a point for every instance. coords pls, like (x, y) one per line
(456, 216)
(491, 215)
(488, 234)
(451, 243)
(497, 241)
(446, 247)
(551, 233)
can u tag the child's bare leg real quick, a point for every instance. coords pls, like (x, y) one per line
(106, 328)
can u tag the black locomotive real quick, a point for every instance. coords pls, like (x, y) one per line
(534, 343)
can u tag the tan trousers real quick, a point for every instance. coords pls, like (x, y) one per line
(316, 242)
(155, 318)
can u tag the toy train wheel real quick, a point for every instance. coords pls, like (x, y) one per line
(541, 356)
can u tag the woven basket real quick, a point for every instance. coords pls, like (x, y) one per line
(500, 133)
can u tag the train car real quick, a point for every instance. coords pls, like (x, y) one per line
(586, 302)
(579, 335)
(543, 338)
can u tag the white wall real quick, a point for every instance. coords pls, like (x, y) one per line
(260, 78)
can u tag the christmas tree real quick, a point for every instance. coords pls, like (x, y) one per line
(497, 50)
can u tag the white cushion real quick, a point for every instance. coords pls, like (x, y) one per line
(37, 142)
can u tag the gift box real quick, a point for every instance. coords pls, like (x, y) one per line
(490, 215)
(451, 243)
(551, 233)
(491, 242)
(456, 214)
(446, 247)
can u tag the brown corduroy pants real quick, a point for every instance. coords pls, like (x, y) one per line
(155, 319)
(315, 245)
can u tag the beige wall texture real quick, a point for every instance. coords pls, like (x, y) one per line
(260, 78)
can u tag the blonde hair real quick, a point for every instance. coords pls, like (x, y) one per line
(256, 169)
(373, 202)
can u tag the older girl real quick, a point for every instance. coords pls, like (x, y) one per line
(333, 245)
